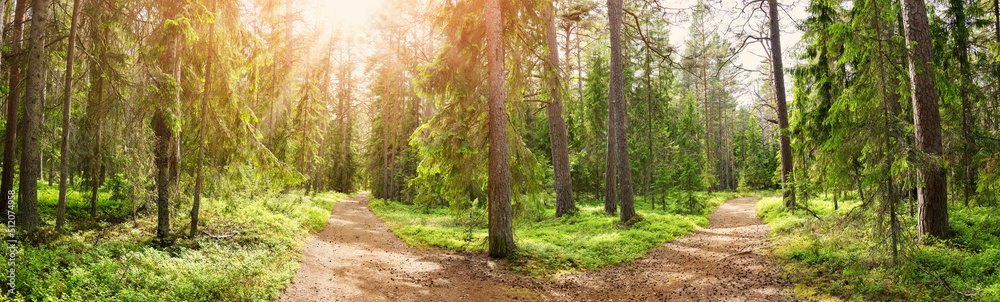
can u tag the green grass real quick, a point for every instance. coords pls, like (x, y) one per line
(586, 240)
(78, 206)
(852, 258)
(122, 262)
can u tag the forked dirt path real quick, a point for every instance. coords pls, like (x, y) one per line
(357, 258)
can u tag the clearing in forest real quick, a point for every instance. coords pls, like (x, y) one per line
(357, 257)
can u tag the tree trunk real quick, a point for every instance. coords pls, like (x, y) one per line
(67, 100)
(579, 67)
(344, 158)
(51, 164)
(708, 125)
(961, 51)
(96, 181)
(395, 129)
(3, 24)
(386, 178)
(33, 100)
(610, 168)
(317, 176)
(162, 125)
(557, 126)
(95, 116)
(501, 231)
(13, 85)
(569, 31)
(617, 94)
(610, 159)
(836, 193)
(996, 65)
(932, 209)
(778, 82)
(206, 96)
(649, 131)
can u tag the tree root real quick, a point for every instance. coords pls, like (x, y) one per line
(747, 251)
(810, 212)
(947, 285)
(210, 236)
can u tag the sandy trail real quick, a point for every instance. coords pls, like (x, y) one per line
(357, 258)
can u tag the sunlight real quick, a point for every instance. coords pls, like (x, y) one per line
(344, 13)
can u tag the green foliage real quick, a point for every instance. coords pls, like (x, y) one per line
(78, 204)
(587, 125)
(452, 145)
(396, 118)
(708, 79)
(121, 263)
(588, 239)
(989, 181)
(843, 257)
(687, 166)
(755, 154)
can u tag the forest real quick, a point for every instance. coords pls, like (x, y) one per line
(497, 150)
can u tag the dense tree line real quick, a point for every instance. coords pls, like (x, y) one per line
(175, 99)
(894, 102)
(500, 107)
(440, 157)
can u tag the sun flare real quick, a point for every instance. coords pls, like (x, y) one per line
(347, 13)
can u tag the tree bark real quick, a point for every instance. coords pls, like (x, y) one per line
(649, 132)
(579, 67)
(325, 84)
(501, 231)
(13, 85)
(996, 66)
(395, 129)
(386, 177)
(778, 82)
(932, 199)
(95, 115)
(617, 94)
(162, 125)
(611, 157)
(33, 98)
(610, 167)
(67, 101)
(557, 125)
(708, 118)
(962, 53)
(206, 96)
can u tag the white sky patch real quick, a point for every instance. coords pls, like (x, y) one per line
(733, 17)
(730, 18)
(353, 13)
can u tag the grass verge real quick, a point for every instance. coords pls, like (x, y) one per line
(587, 240)
(102, 261)
(851, 258)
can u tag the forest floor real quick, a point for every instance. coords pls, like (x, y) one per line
(357, 257)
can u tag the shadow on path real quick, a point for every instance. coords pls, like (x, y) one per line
(357, 258)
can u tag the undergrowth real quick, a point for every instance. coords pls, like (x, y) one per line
(852, 257)
(585, 240)
(254, 257)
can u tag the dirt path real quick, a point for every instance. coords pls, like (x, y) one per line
(357, 258)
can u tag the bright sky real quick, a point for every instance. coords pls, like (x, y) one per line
(355, 13)
(730, 17)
